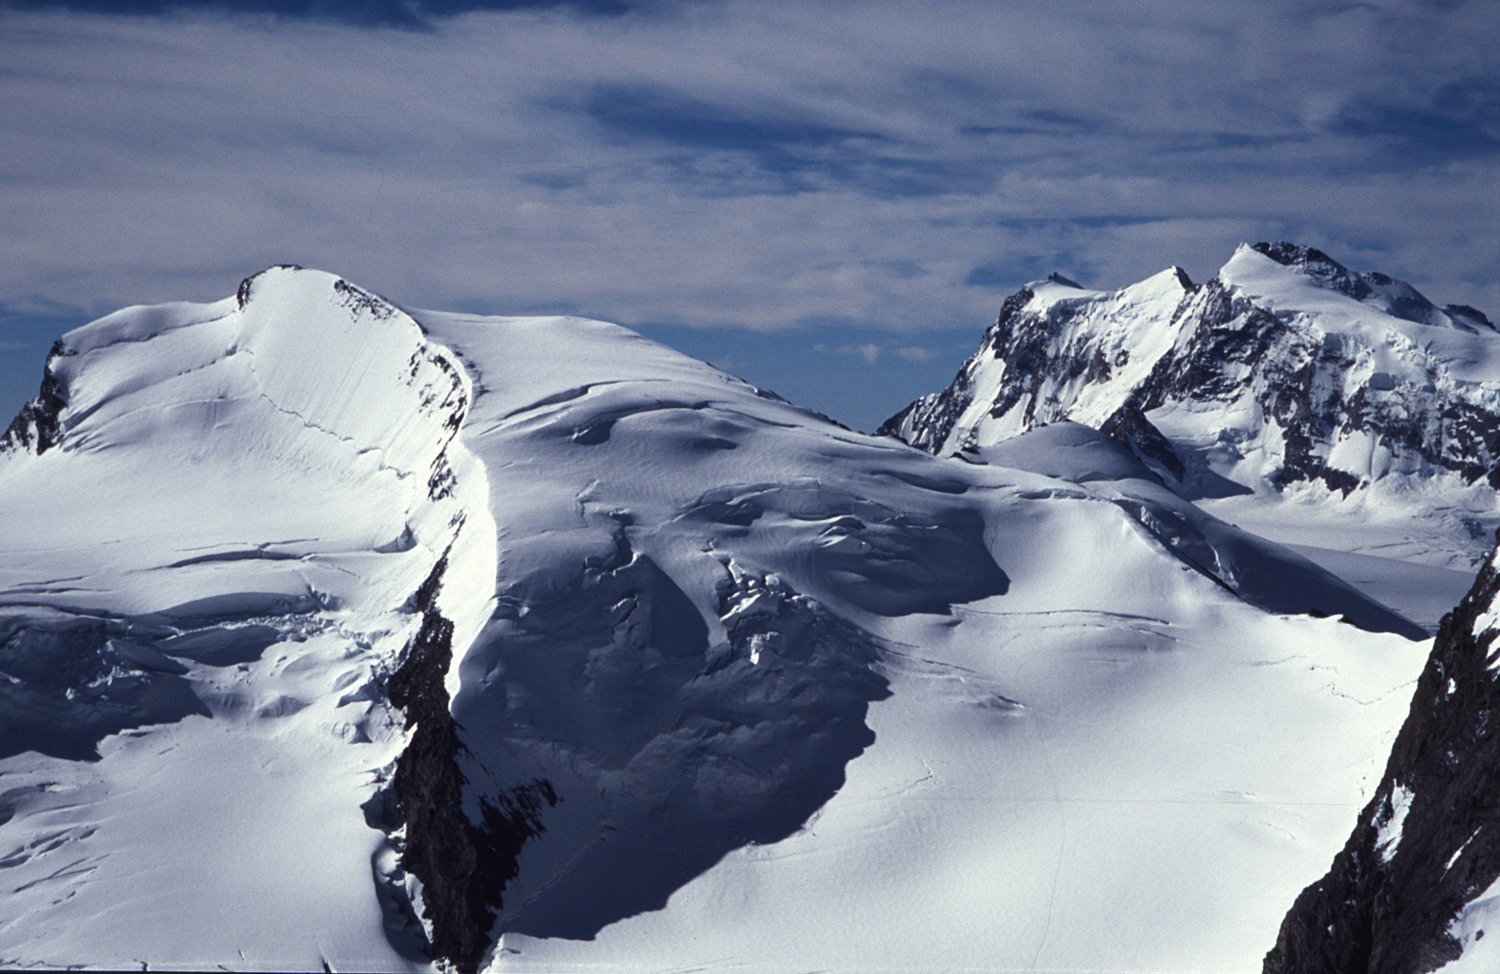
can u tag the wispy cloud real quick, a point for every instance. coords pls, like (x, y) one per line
(892, 166)
(869, 351)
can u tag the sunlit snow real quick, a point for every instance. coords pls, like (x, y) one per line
(809, 699)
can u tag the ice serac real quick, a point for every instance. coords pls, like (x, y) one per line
(1286, 369)
(1415, 888)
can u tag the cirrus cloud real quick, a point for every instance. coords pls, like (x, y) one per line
(895, 168)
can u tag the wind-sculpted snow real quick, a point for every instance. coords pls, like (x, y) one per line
(1258, 571)
(529, 644)
(662, 655)
(706, 598)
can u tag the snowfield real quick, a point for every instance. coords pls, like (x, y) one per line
(1343, 413)
(731, 687)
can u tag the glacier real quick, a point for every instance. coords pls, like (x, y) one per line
(338, 635)
(1343, 414)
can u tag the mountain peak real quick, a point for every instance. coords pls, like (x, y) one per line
(1249, 270)
(1338, 377)
(337, 636)
(1317, 265)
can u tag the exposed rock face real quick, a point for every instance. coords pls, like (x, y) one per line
(1428, 843)
(928, 423)
(35, 427)
(1131, 427)
(463, 867)
(1285, 368)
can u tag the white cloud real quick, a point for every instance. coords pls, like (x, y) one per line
(831, 162)
(869, 351)
(914, 353)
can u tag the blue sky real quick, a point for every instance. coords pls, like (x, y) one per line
(828, 198)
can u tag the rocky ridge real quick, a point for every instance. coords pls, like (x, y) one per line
(80, 665)
(1427, 845)
(1286, 368)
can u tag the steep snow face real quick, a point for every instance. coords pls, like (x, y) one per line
(1284, 373)
(785, 679)
(1057, 351)
(663, 666)
(217, 544)
(228, 441)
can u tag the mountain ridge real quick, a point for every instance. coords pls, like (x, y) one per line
(1268, 384)
(1067, 355)
(527, 643)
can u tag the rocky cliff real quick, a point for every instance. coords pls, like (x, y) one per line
(1411, 890)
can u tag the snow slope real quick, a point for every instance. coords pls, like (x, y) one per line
(1414, 887)
(730, 687)
(217, 552)
(1341, 412)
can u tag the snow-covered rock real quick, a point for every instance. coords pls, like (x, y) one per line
(217, 543)
(339, 634)
(1287, 380)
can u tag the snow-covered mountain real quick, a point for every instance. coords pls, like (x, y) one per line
(1287, 394)
(341, 636)
(1302, 370)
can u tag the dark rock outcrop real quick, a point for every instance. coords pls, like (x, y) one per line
(1428, 842)
(1129, 426)
(36, 426)
(1318, 266)
(463, 866)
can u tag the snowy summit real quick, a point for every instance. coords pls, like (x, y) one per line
(337, 635)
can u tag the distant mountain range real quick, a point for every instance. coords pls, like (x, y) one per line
(341, 636)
